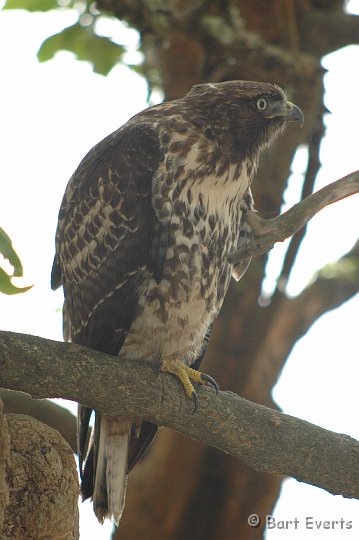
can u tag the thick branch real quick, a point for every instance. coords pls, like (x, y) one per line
(265, 439)
(293, 317)
(324, 32)
(266, 232)
(45, 411)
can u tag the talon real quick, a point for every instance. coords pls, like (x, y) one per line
(195, 401)
(188, 375)
(208, 379)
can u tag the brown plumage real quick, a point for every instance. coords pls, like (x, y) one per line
(144, 227)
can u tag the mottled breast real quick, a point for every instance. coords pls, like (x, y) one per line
(198, 202)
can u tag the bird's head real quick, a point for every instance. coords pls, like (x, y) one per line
(243, 116)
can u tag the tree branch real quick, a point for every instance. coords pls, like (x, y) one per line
(45, 411)
(264, 439)
(333, 285)
(266, 232)
(313, 167)
(324, 32)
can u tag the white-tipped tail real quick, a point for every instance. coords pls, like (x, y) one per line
(111, 471)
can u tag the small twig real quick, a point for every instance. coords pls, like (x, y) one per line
(266, 232)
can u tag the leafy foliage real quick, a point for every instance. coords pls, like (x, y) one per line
(81, 38)
(32, 5)
(8, 252)
(86, 45)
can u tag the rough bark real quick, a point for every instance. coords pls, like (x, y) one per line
(264, 439)
(43, 485)
(186, 42)
(4, 458)
(43, 410)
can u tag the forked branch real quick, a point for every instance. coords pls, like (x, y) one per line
(266, 232)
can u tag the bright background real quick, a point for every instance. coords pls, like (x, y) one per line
(53, 113)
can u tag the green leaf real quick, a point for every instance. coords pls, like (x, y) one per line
(6, 287)
(31, 5)
(9, 253)
(101, 52)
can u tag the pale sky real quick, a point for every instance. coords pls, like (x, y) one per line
(53, 113)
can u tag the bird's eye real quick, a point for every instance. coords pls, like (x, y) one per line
(261, 104)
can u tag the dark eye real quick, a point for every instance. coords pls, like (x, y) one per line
(261, 104)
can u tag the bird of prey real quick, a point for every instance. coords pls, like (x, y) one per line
(144, 228)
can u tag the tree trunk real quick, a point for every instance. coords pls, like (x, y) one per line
(182, 489)
(42, 483)
(4, 459)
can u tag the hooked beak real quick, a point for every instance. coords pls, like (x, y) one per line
(286, 110)
(293, 114)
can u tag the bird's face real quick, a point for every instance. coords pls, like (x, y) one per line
(260, 119)
(277, 108)
(246, 116)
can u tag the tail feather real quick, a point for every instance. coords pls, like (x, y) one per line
(111, 468)
(115, 446)
(83, 431)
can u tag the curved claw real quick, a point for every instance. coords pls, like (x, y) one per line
(187, 376)
(194, 396)
(209, 380)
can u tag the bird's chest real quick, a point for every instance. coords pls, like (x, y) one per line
(200, 223)
(199, 238)
(202, 215)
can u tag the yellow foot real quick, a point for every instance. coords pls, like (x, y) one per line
(187, 376)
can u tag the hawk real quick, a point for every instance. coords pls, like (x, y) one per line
(144, 228)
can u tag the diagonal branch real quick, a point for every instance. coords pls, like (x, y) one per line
(265, 439)
(266, 232)
(313, 167)
(292, 317)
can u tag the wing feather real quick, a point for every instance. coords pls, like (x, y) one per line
(107, 241)
(107, 229)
